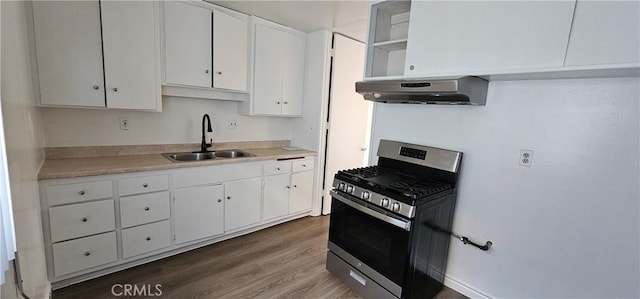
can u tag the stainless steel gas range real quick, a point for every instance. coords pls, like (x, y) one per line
(387, 221)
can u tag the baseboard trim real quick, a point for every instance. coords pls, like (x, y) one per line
(463, 288)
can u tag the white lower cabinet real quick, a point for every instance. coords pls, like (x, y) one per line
(93, 224)
(84, 253)
(242, 203)
(198, 212)
(146, 238)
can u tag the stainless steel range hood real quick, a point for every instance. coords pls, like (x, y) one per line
(455, 91)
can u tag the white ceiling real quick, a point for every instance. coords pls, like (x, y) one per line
(346, 17)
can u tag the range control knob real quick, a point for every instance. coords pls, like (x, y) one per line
(341, 186)
(395, 207)
(349, 189)
(384, 203)
(365, 195)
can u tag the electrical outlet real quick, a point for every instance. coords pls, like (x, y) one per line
(526, 157)
(232, 124)
(124, 123)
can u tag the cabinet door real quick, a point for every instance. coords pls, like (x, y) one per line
(605, 32)
(187, 37)
(301, 191)
(293, 75)
(230, 52)
(276, 196)
(474, 36)
(129, 39)
(69, 53)
(242, 203)
(198, 212)
(267, 81)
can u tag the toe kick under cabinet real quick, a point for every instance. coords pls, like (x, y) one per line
(97, 225)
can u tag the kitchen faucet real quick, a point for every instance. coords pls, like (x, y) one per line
(204, 144)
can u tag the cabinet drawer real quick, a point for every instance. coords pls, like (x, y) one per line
(64, 194)
(143, 184)
(141, 209)
(85, 253)
(145, 238)
(277, 168)
(81, 220)
(303, 165)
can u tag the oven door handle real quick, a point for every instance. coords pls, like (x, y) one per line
(403, 224)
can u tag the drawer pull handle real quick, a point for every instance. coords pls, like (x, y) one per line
(145, 185)
(84, 219)
(146, 208)
(357, 277)
(148, 238)
(81, 192)
(87, 253)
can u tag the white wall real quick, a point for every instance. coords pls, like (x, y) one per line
(566, 227)
(24, 141)
(179, 122)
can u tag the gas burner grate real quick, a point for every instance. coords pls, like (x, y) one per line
(364, 172)
(418, 189)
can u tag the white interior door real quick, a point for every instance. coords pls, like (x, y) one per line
(349, 113)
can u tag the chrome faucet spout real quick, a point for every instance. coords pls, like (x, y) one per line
(204, 145)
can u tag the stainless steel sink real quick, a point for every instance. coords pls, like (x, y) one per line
(189, 157)
(232, 154)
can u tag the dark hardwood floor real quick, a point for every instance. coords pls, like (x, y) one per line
(284, 261)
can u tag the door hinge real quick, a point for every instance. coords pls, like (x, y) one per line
(332, 52)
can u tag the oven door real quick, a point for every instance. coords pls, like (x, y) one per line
(379, 240)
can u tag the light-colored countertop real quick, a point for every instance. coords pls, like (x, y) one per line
(69, 167)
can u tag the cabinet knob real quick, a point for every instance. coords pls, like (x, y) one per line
(84, 219)
(87, 253)
(219, 73)
(96, 87)
(81, 192)
(147, 208)
(286, 102)
(411, 67)
(219, 200)
(148, 239)
(145, 185)
(278, 102)
(228, 197)
(295, 186)
(304, 165)
(115, 89)
(288, 187)
(206, 71)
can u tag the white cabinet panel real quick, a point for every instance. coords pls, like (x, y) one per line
(69, 53)
(302, 165)
(301, 191)
(187, 37)
(146, 238)
(198, 212)
(217, 174)
(141, 209)
(230, 44)
(472, 36)
(605, 32)
(79, 220)
(276, 196)
(268, 66)
(293, 71)
(71, 193)
(242, 203)
(277, 168)
(143, 184)
(129, 44)
(85, 253)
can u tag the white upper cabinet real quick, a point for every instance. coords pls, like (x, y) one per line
(278, 71)
(71, 38)
(187, 38)
(205, 47)
(230, 50)
(476, 37)
(605, 32)
(69, 53)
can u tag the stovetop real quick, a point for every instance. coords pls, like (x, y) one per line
(395, 184)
